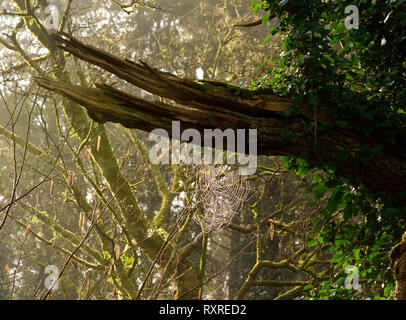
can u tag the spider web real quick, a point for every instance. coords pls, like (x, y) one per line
(220, 193)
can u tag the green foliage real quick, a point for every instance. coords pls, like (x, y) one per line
(362, 71)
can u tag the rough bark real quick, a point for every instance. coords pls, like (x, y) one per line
(398, 266)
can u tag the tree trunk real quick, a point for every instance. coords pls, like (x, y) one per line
(398, 266)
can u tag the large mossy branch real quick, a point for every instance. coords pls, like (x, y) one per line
(205, 95)
(105, 103)
(167, 194)
(50, 243)
(218, 105)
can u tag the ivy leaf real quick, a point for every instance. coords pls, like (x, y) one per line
(340, 27)
(266, 19)
(357, 254)
(307, 287)
(256, 9)
(388, 289)
(267, 39)
(313, 243)
(253, 3)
